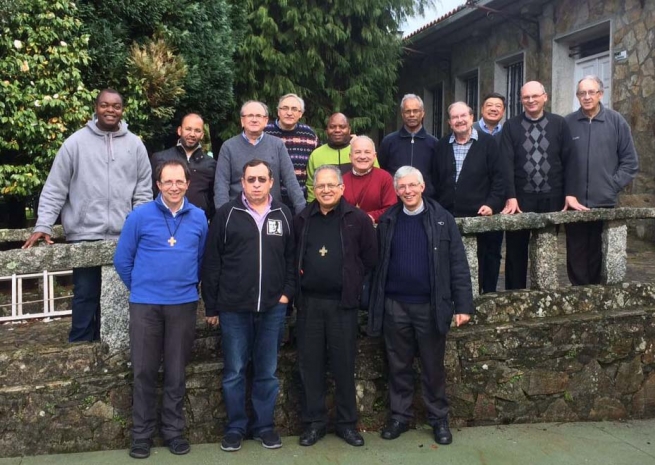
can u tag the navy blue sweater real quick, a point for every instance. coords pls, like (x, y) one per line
(154, 271)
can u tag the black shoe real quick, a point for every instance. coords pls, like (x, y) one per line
(310, 436)
(178, 445)
(231, 441)
(393, 429)
(270, 439)
(140, 448)
(351, 436)
(442, 433)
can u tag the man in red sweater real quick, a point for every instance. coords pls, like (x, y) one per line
(367, 187)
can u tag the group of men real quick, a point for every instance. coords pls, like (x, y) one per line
(256, 256)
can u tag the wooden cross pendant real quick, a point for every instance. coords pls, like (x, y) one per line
(323, 251)
(171, 241)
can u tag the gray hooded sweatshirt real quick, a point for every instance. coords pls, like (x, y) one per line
(97, 178)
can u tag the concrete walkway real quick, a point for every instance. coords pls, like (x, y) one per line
(605, 443)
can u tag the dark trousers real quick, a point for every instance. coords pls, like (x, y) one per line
(517, 242)
(584, 252)
(325, 330)
(157, 330)
(489, 257)
(85, 322)
(408, 329)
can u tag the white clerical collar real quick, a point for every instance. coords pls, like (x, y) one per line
(418, 211)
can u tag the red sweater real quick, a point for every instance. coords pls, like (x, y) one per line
(373, 192)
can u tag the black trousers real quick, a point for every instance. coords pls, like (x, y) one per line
(327, 331)
(157, 330)
(489, 257)
(517, 242)
(584, 252)
(408, 329)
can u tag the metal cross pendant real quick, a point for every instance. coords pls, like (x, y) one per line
(323, 251)
(171, 241)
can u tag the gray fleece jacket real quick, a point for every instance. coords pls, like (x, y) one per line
(237, 151)
(605, 160)
(95, 181)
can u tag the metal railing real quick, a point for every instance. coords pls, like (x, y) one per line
(49, 298)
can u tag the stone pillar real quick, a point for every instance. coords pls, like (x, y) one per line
(471, 246)
(543, 259)
(615, 243)
(114, 330)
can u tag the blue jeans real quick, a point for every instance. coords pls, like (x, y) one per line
(85, 324)
(246, 337)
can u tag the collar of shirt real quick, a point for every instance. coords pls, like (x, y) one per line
(355, 173)
(418, 211)
(259, 218)
(257, 141)
(174, 213)
(485, 128)
(474, 136)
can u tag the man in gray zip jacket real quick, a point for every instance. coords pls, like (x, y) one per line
(99, 175)
(605, 162)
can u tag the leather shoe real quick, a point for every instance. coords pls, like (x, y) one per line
(310, 436)
(393, 429)
(442, 433)
(351, 436)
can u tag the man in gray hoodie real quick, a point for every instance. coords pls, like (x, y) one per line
(100, 173)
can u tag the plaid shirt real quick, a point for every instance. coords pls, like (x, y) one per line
(460, 151)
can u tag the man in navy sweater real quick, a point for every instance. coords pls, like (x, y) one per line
(162, 242)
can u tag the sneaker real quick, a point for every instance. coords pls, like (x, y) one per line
(140, 448)
(231, 441)
(270, 439)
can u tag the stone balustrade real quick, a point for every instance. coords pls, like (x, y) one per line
(543, 256)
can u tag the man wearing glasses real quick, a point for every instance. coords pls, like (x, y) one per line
(299, 139)
(336, 247)
(536, 148)
(248, 280)
(158, 258)
(604, 163)
(411, 145)
(422, 281)
(254, 143)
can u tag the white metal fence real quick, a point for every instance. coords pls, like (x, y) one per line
(49, 299)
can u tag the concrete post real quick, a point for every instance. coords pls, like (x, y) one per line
(471, 246)
(543, 259)
(615, 243)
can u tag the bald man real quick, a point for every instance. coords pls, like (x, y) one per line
(536, 147)
(202, 167)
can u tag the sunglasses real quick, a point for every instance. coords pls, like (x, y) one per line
(253, 179)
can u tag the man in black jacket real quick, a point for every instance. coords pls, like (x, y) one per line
(247, 281)
(421, 282)
(469, 182)
(336, 247)
(201, 166)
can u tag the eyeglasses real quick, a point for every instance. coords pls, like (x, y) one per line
(251, 116)
(527, 98)
(404, 187)
(412, 112)
(286, 109)
(590, 93)
(169, 184)
(253, 179)
(326, 187)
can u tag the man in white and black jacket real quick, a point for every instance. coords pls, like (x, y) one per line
(247, 282)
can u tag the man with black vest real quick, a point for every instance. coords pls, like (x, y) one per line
(336, 248)
(202, 167)
(468, 180)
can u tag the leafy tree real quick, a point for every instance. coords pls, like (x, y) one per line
(42, 97)
(199, 31)
(341, 55)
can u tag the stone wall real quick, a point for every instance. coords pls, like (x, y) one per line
(576, 354)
